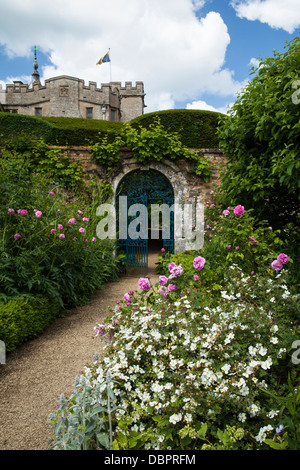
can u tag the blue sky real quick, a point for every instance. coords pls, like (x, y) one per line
(189, 53)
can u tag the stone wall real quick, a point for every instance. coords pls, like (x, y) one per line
(189, 189)
(197, 186)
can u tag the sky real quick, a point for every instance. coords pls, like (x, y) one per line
(190, 54)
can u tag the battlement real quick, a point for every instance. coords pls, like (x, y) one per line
(71, 97)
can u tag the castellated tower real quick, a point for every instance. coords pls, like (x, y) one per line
(70, 97)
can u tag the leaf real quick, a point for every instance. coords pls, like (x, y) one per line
(273, 444)
(103, 439)
(202, 431)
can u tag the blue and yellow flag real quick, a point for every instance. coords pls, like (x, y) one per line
(104, 59)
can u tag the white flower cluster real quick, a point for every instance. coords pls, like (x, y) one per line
(162, 364)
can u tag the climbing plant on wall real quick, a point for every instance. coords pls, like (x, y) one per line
(150, 144)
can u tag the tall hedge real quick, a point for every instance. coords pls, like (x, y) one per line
(196, 128)
(79, 131)
(14, 125)
(56, 130)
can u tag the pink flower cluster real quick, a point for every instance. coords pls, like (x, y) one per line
(199, 263)
(239, 210)
(278, 263)
(175, 270)
(144, 283)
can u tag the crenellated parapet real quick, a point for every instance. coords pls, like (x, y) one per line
(70, 97)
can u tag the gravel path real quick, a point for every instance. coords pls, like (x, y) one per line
(40, 370)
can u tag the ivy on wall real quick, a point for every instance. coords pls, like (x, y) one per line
(153, 143)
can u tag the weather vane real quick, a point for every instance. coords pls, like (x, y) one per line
(35, 48)
(35, 74)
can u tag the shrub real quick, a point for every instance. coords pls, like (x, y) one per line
(48, 243)
(148, 144)
(196, 128)
(181, 373)
(19, 127)
(22, 319)
(16, 128)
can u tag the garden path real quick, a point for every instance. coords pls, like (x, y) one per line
(37, 372)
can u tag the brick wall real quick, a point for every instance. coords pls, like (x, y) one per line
(196, 186)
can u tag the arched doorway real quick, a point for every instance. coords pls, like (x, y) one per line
(145, 216)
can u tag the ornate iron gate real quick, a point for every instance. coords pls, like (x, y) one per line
(145, 187)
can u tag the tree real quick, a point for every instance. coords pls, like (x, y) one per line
(261, 140)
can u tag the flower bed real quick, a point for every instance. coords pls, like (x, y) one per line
(188, 368)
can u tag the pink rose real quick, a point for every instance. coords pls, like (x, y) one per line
(127, 298)
(162, 280)
(81, 230)
(276, 265)
(282, 258)
(17, 236)
(196, 277)
(38, 214)
(199, 262)
(93, 239)
(239, 210)
(85, 219)
(162, 250)
(226, 212)
(62, 236)
(144, 283)
(23, 212)
(60, 227)
(72, 221)
(171, 287)
(163, 291)
(176, 271)
(171, 266)
(10, 211)
(52, 231)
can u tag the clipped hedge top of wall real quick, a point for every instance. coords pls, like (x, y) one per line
(56, 130)
(196, 128)
(12, 125)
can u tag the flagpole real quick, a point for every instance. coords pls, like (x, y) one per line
(110, 66)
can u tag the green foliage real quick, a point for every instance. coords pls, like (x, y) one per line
(289, 416)
(15, 128)
(22, 319)
(50, 249)
(79, 131)
(196, 128)
(190, 371)
(149, 144)
(39, 157)
(20, 127)
(78, 426)
(261, 140)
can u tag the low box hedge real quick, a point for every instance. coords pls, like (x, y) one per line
(22, 319)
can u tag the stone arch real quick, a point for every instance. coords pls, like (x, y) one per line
(183, 197)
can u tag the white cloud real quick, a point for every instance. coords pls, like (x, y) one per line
(163, 43)
(254, 62)
(205, 106)
(283, 14)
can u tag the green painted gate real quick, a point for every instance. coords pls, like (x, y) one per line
(144, 187)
